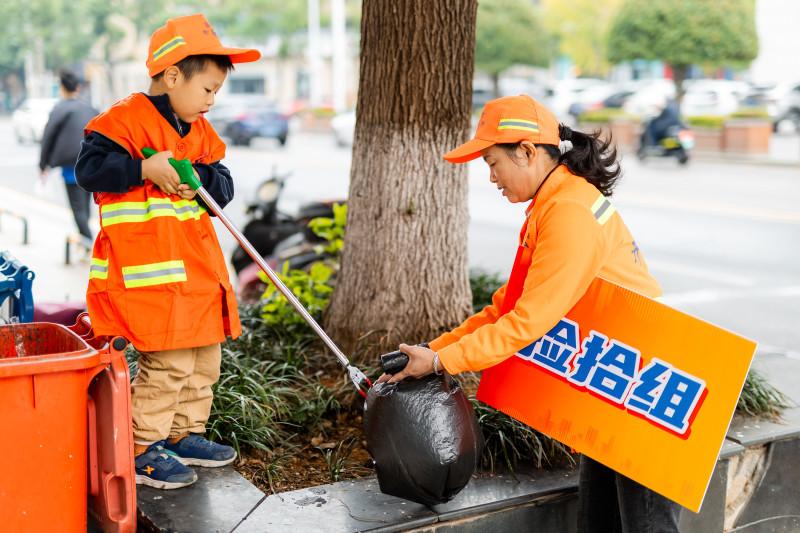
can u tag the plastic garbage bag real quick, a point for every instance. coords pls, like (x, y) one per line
(424, 438)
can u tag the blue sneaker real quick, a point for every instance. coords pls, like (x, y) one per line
(160, 469)
(195, 450)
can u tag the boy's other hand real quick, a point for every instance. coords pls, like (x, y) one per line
(158, 170)
(185, 190)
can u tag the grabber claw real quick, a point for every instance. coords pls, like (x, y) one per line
(358, 378)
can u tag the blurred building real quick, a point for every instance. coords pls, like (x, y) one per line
(777, 23)
(283, 74)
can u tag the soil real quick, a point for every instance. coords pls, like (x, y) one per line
(302, 462)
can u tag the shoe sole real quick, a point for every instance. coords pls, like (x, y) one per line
(156, 484)
(208, 463)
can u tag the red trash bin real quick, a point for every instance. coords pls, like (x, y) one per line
(46, 373)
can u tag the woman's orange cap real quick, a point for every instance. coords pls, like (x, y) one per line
(187, 36)
(509, 120)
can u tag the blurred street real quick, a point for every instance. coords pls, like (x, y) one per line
(720, 235)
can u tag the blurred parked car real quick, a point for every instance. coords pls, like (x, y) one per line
(242, 122)
(648, 97)
(30, 118)
(343, 126)
(592, 98)
(562, 94)
(781, 102)
(717, 98)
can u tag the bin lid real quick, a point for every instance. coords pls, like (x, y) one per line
(42, 347)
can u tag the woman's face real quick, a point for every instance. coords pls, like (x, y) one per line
(515, 176)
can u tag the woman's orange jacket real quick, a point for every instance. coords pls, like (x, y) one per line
(575, 235)
(158, 275)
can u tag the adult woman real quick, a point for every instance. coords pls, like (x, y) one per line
(571, 235)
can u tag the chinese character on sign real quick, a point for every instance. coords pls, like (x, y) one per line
(666, 395)
(555, 348)
(606, 368)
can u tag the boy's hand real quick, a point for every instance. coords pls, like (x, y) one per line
(158, 170)
(185, 190)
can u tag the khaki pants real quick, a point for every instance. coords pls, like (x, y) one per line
(171, 394)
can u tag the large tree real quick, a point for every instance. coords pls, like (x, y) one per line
(508, 33)
(684, 33)
(404, 272)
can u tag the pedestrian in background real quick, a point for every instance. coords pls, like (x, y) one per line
(61, 143)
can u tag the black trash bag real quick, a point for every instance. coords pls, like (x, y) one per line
(423, 436)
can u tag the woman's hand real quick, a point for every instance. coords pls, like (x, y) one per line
(420, 363)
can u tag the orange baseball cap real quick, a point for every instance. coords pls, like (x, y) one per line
(187, 36)
(510, 119)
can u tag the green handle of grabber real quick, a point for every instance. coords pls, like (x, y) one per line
(182, 166)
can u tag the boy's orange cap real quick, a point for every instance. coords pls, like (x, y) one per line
(187, 36)
(509, 120)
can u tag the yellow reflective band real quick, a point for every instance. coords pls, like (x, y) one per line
(99, 269)
(518, 124)
(153, 274)
(122, 212)
(602, 209)
(168, 47)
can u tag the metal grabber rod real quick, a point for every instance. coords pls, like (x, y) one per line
(184, 169)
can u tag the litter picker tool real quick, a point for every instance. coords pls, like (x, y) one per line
(186, 174)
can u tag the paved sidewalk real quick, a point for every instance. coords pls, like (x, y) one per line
(49, 226)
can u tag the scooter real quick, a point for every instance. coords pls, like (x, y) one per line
(678, 142)
(272, 231)
(277, 236)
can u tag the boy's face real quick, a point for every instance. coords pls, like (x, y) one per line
(191, 99)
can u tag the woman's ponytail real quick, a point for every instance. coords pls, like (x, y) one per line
(589, 156)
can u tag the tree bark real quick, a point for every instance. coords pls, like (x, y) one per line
(404, 271)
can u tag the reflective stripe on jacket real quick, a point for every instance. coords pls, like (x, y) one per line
(158, 275)
(575, 235)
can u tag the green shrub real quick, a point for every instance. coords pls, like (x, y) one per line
(759, 398)
(604, 115)
(706, 122)
(484, 285)
(751, 112)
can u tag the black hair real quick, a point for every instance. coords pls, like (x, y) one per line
(590, 157)
(69, 80)
(191, 65)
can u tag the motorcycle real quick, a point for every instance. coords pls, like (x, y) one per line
(277, 236)
(678, 142)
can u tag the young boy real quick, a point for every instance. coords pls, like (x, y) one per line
(158, 275)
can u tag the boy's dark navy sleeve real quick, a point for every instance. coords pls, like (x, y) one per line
(105, 166)
(217, 181)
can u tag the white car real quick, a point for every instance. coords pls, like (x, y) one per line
(30, 118)
(343, 126)
(649, 97)
(718, 98)
(563, 93)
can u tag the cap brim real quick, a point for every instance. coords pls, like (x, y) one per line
(468, 151)
(237, 55)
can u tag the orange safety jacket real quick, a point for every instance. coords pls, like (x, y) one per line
(572, 234)
(158, 276)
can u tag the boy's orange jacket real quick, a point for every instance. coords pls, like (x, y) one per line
(158, 275)
(574, 234)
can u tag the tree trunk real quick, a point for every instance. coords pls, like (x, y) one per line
(404, 271)
(679, 74)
